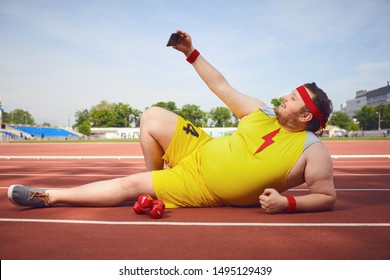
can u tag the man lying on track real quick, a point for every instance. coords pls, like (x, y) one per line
(272, 150)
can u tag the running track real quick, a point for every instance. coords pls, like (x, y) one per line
(358, 228)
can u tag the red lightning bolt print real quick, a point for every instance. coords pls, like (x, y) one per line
(268, 140)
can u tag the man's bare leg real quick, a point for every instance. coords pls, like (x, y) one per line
(105, 193)
(157, 129)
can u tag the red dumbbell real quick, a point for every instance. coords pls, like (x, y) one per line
(145, 201)
(158, 202)
(146, 205)
(157, 212)
(143, 204)
(139, 210)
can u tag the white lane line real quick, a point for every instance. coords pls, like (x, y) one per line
(344, 190)
(291, 190)
(67, 175)
(294, 190)
(142, 168)
(203, 224)
(359, 174)
(360, 156)
(84, 165)
(142, 163)
(361, 166)
(139, 157)
(71, 157)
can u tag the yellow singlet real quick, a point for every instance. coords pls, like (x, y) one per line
(259, 155)
(231, 170)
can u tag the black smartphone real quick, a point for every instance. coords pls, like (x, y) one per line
(173, 39)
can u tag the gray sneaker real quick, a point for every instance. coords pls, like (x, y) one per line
(26, 196)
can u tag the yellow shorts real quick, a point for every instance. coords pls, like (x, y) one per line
(182, 185)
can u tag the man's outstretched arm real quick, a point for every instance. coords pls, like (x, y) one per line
(240, 104)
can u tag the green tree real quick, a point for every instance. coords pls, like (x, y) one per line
(194, 114)
(102, 114)
(221, 117)
(106, 114)
(236, 120)
(383, 114)
(21, 117)
(354, 126)
(341, 120)
(122, 114)
(6, 118)
(102, 118)
(103, 105)
(135, 118)
(81, 117)
(367, 117)
(170, 106)
(276, 101)
(85, 128)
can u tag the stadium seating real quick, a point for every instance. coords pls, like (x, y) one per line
(46, 132)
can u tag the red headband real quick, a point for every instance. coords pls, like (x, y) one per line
(310, 105)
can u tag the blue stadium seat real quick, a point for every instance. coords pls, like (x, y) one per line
(47, 132)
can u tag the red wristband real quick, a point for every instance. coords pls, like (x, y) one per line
(292, 204)
(193, 56)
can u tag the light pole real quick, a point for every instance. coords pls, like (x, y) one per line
(379, 119)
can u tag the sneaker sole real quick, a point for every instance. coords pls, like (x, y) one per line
(9, 193)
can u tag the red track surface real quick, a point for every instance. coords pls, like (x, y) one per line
(358, 228)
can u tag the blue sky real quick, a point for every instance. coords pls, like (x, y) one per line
(58, 57)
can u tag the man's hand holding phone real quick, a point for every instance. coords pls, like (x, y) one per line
(173, 40)
(182, 42)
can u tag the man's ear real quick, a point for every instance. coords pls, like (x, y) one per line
(305, 117)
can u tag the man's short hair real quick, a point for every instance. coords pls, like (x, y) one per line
(323, 103)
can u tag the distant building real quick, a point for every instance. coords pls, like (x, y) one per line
(1, 115)
(363, 97)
